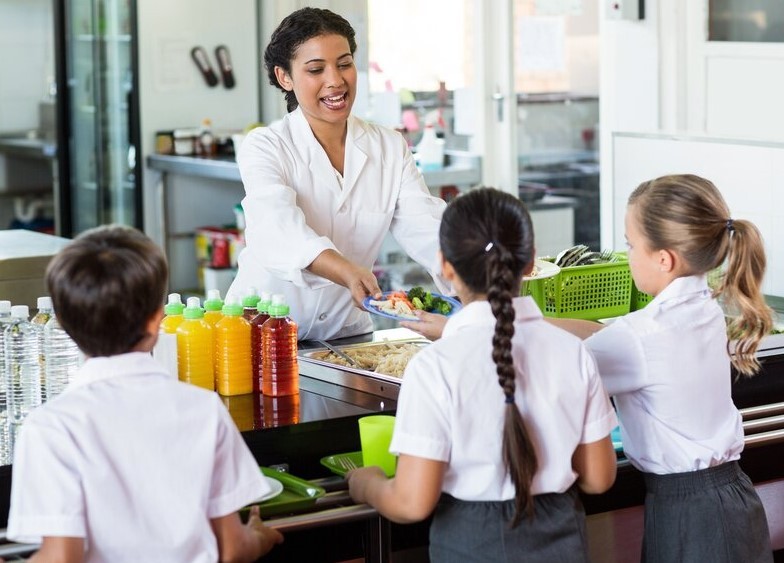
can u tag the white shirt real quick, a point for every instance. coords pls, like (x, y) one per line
(296, 208)
(451, 407)
(134, 462)
(667, 366)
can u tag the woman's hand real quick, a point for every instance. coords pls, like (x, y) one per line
(429, 325)
(358, 280)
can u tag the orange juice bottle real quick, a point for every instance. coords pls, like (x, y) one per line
(195, 347)
(173, 310)
(212, 307)
(249, 303)
(262, 307)
(279, 366)
(232, 351)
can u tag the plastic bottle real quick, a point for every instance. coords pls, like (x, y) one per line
(262, 308)
(63, 358)
(213, 306)
(232, 351)
(5, 436)
(39, 321)
(206, 140)
(280, 370)
(430, 150)
(249, 303)
(23, 383)
(195, 347)
(173, 311)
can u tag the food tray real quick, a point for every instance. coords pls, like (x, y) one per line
(298, 494)
(340, 464)
(591, 292)
(311, 365)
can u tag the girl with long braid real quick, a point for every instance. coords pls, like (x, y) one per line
(668, 368)
(502, 419)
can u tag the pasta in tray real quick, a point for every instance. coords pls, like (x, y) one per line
(388, 359)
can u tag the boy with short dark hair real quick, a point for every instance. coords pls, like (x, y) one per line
(129, 464)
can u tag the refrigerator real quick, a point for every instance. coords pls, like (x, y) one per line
(96, 68)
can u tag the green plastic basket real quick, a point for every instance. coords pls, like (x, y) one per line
(639, 298)
(593, 292)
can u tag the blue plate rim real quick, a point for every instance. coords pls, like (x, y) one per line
(456, 305)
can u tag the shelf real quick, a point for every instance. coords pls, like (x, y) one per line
(89, 38)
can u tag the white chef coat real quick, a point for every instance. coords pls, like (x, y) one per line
(134, 462)
(296, 208)
(451, 407)
(668, 368)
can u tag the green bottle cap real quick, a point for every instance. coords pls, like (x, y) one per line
(213, 301)
(193, 310)
(174, 306)
(232, 307)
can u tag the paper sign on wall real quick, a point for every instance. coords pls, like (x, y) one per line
(542, 41)
(558, 7)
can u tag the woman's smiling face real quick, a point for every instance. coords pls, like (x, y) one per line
(323, 78)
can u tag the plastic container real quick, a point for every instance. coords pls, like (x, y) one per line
(23, 383)
(213, 306)
(250, 303)
(173, 311)
(430, 150)
(63, 358)
(280, 370)
(5, 438)
(39, 320)
(195, 347)
(594, 292)
(262, 308)
(232, 351)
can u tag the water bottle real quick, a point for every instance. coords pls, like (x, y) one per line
(23, 380)
(62, 356)
(5, 436)
(232, 351)
(280, 369)
(173, 311)
(39, 322)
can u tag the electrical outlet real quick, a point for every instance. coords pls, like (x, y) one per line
(632, 10)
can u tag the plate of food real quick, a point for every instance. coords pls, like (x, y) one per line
(400, 305)
(276, 487)
(542, 269)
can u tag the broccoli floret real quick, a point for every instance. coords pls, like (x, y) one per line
(427, 302)
(441, 306)
(417, 302)
(417, 291)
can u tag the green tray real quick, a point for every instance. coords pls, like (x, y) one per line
(342, 463)
(297, 494)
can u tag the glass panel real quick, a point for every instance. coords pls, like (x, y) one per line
(746, 20)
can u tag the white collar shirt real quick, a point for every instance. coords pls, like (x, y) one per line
(668, 368)
(134, 462)
(451, 407)
(296, 208)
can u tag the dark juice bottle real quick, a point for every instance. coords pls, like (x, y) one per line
(279, 367)
(249, 303)
(256, 323)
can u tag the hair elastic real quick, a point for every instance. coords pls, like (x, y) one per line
(509, 399)
(489, 246)
(730, 225)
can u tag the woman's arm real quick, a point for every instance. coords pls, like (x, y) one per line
(338, 269)
(578, 327)
(595, 465)
(60, 550)
(410, 496)
(240, 543)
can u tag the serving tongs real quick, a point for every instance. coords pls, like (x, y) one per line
(338, 352)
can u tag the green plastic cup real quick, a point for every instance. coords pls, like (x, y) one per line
(375, 434)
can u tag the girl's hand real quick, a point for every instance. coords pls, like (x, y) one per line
(429, 325)
(360, 480)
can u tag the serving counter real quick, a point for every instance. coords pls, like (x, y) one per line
(294, 434)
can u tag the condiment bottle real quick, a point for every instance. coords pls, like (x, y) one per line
(232, 351)
(195, 347)
(262, 308)
(173, 311)
(280, 370)
(249, 303)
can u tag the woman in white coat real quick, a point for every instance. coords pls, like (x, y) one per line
(324, 187)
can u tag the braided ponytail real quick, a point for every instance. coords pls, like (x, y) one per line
(518, 450)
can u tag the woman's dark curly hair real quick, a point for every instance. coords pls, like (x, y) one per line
(295, 29)
(487, 236)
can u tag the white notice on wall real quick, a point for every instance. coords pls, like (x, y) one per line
(542, 41)
(174, 68)
(558, 7)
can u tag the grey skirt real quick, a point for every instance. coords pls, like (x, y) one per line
(465, 531)
(708, 515)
